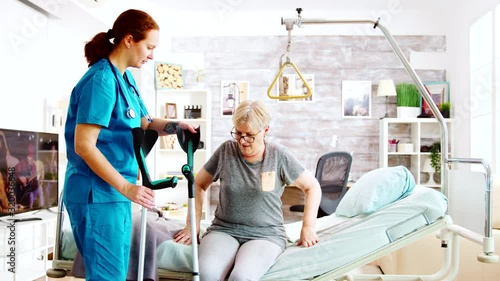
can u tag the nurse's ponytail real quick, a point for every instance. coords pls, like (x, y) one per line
(98, 48)
(134, 22)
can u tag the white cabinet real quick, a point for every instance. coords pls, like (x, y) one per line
(413, 135)
(26, 245)
(193, 106)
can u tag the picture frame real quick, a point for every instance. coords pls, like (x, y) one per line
(171, 111)
(294, 86)
(168, 76)
(356, 99)
(439, 92)
(232, 94)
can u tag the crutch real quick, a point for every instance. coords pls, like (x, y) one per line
(144, 140)
(189, 143)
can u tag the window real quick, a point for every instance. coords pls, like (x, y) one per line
(484, 100)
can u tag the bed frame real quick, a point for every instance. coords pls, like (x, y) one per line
(449, 232)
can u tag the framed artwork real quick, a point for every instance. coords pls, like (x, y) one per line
(294, 86)
(171, 109)
(356, 99)
(232, 93)
(168, 76)
(439, 91)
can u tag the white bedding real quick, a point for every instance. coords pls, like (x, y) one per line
(342, 239)
(357, 237)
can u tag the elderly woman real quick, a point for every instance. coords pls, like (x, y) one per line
(247, 233)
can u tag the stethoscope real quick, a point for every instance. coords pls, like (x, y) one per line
(130, 112)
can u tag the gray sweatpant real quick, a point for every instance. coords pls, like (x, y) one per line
(219, 251)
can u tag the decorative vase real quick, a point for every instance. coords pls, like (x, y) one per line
(437, 178)
(408, 112)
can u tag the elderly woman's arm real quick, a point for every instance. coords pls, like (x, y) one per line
(311, 188)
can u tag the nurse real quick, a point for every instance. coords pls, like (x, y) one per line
(102, 170)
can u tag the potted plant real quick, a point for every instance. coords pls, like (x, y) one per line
(444, 108)
(435, 156)
(408, 100)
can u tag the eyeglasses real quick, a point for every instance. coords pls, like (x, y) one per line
(248, 138)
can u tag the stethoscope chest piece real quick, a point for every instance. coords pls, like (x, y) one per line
(130, 113)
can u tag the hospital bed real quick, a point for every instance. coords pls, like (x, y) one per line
(347, 242)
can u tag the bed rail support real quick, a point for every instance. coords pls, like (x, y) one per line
(488, 241)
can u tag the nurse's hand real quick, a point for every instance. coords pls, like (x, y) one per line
(140, 194)
(187, 126)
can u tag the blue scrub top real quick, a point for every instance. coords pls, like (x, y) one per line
(97, 99)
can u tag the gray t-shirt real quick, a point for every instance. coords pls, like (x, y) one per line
(250, 193)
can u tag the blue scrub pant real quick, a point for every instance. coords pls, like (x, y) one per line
(102, 233)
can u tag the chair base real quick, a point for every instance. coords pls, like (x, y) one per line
(300, 208)
(297, 208)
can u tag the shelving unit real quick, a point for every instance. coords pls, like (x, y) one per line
(28, 245)
(419, 132)
(169, 156)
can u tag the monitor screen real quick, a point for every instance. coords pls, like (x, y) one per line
(29, 171)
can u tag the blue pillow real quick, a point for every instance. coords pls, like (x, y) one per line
(375, 190)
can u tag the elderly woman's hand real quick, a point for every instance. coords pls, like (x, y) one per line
(308, 237)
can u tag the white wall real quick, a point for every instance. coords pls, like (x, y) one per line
(42, 60)
(43, 56)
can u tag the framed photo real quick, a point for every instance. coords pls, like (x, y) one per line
(168, 76)
(171, 109)
(232, 94)
(356, 99)
(439, 91)
(294, 86)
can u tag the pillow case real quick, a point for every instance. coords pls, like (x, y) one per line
(375, 190)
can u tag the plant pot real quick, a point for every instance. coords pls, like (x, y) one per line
(437, 178)
(446, 114)
(408, 112)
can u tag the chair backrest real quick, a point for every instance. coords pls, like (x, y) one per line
(332, 173)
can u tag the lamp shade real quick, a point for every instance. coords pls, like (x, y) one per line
(386, 88)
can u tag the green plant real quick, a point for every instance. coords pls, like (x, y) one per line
(445, 106)
(407, 95)
(435, 150)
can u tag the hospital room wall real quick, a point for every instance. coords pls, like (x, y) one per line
(332, 53)
(465, 15)
(49, 61)
(42, 59)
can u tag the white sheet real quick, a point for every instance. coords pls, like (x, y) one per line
(339, 245)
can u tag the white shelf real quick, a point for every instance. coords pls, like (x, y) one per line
(27, 245)
(417, 131)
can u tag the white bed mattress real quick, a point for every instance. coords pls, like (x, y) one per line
(342, 239)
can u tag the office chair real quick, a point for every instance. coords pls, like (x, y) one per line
(332, 173)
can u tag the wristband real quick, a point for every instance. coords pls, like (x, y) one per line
(171, 128)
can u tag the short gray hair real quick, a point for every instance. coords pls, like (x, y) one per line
(253, 113)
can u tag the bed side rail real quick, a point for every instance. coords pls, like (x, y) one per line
(487, 241)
